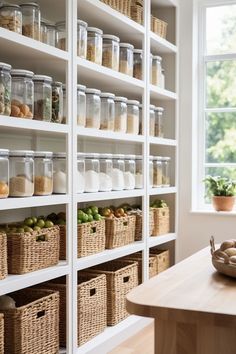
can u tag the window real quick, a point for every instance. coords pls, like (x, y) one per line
(217, 93)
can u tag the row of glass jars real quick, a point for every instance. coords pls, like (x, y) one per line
(157, 74)
(25, 95)
(28, 173)
(108, 172)
(159, 171)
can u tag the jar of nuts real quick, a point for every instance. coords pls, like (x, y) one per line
(22, 95)
(120, 114)
(4, 173)
(82, 39)
(138, 64)
(93, 108)
(43, 179)
(126, 58)
(42, 97)
(94, 45)
(111, 52)
(31, 20)
(81, 105)
(57, 102)
(61, 35)
(107, 111)
(5, 89)
(11, 17)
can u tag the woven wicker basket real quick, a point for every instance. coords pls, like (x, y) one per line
(91, 238)
(33, 326)
(3, 256)
(163, 259)
(137, 257)
(120, 231)
(161, 221)
(137, 13)
(122, 276)
(159, 27)
(1, 333)
(30, 251)
(62, 254)
(139, 223)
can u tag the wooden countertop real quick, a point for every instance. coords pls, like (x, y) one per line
(191, 291)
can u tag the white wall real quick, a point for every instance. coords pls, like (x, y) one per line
(194, 229)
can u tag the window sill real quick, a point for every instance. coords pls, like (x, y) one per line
(213, 212)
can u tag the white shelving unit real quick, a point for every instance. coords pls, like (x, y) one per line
(25, 53)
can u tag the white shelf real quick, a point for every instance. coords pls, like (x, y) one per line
(160, 191)
(108, 135)
(161, 94)
(109, 255)
(165, 3)
(89, 197)
(161, 45)
(162, 141)
(17, 282)
(98, 76)
(31, 202)
(154, 241)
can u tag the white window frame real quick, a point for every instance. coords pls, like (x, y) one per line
(203, 58)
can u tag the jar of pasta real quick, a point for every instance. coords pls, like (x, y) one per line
(133, 117)
(4, 173)
(151, 171)
(94, 45)
(31, 19)
(126, 58)
(81, 105)
(61, 35)
(11, 17)
(138, 64)
(159, 126)
(157, 172)
(151, 120)
(93, 108)
(120, 114)
(166, 171)
(22, 94)
(42, 97)
(156, 70)
(5, 89)
(82, 39)
(111, 52)
(43, 179)
(57, 102)
(107, 111)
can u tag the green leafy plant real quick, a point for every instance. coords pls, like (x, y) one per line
(220, 186)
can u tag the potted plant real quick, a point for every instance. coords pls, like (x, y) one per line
(223, 191)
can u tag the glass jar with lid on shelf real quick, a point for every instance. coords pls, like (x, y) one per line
(4, 173)
(157, 171)
(156, 70)
(166, 171)
(140, 119)
(129, 174)
(5, 89)
(93, 108)
(120, 114)
(94, 45)
(50, 33)
(61, 35)
(59, 173)
(92, 170)
(21, 173)
(118, 182)
(11, 17)
(43, 30)
(80, 172)
(152, 120)
(22, 94)
(81, 105)
(126, 58)
(105, 179)
(111, 51)
(159, 124)
(138, 171)
(151, 171)
(31, 20)
(57, 102)
(138, 64)
(42, 97)
(64, 119)
(82, 39)
(133, 117)
(107, 111)
(43, 179)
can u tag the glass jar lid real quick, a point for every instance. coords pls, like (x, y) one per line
(159, 109)
(133, 102)
(92, 156)
(129, 157)
(4, 66)
(111, 37)
(151, 158)
(81, 87)
(17, 7)
(82, 23)
(151, 107)
(157, 158)
(139, 157)
(127, 45)
(80, 155)
(118, 156)
(19, 72)
(167, 158)
(95, 30)
(57, 84)
(107, 95)
(61, 24)
(157, 57)
(42, 78)
(59, 155)
(21, 153)
(138, 51)
(121, 99)
(43, 154)
(106, 156)
(92, 90)
(4, 152)
(34, 4)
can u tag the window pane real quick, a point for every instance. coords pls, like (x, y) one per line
(221, 137)
(221, 34)
(221, 84)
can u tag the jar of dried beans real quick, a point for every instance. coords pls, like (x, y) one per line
(11, 17)
(42, 97)
(57, 102)
(5, 89)
(22, 94)
(31, 20)
(43, 179)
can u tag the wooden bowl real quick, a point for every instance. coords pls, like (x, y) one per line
(221, 261)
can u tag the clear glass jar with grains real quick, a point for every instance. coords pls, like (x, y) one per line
(11, 17)
(22, 94)
(42, 98)
(31, 20)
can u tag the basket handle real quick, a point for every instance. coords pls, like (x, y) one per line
(126, 279)
(93, 291)
(40, 314)
(93, 229)
(125, 223)
(41, 238)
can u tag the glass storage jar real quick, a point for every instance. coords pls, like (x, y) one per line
(129, 174)
(5, 89)
(126, 58)
(151, 171)
(51, 34)
(107, 111)
(57, 102)
(93, 108)
(120, 114)
(111, 51)
(92, 170)
(140, 119)
(133, 117)
(64, 104)
(117, 175)
(81, 105)
(94, 45)
(163, 79)
(11, 17)
(43, 31)
(31, 19)
(4, 173)
(80, 172)
(22, 94)
(105, 179)
(42, 97)
(43, 176)
(166, 171)
(151, 120)
(139, 172)
(159, 130)
(61, 35)
(138, 64)
(59, 173)
(21, 173)
(82, 39)
(157, 171)
(156, 70)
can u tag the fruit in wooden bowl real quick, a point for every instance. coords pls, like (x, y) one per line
(224, 259)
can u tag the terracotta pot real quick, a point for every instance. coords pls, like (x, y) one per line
(223, 203)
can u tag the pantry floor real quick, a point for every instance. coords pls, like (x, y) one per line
(141, 343)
